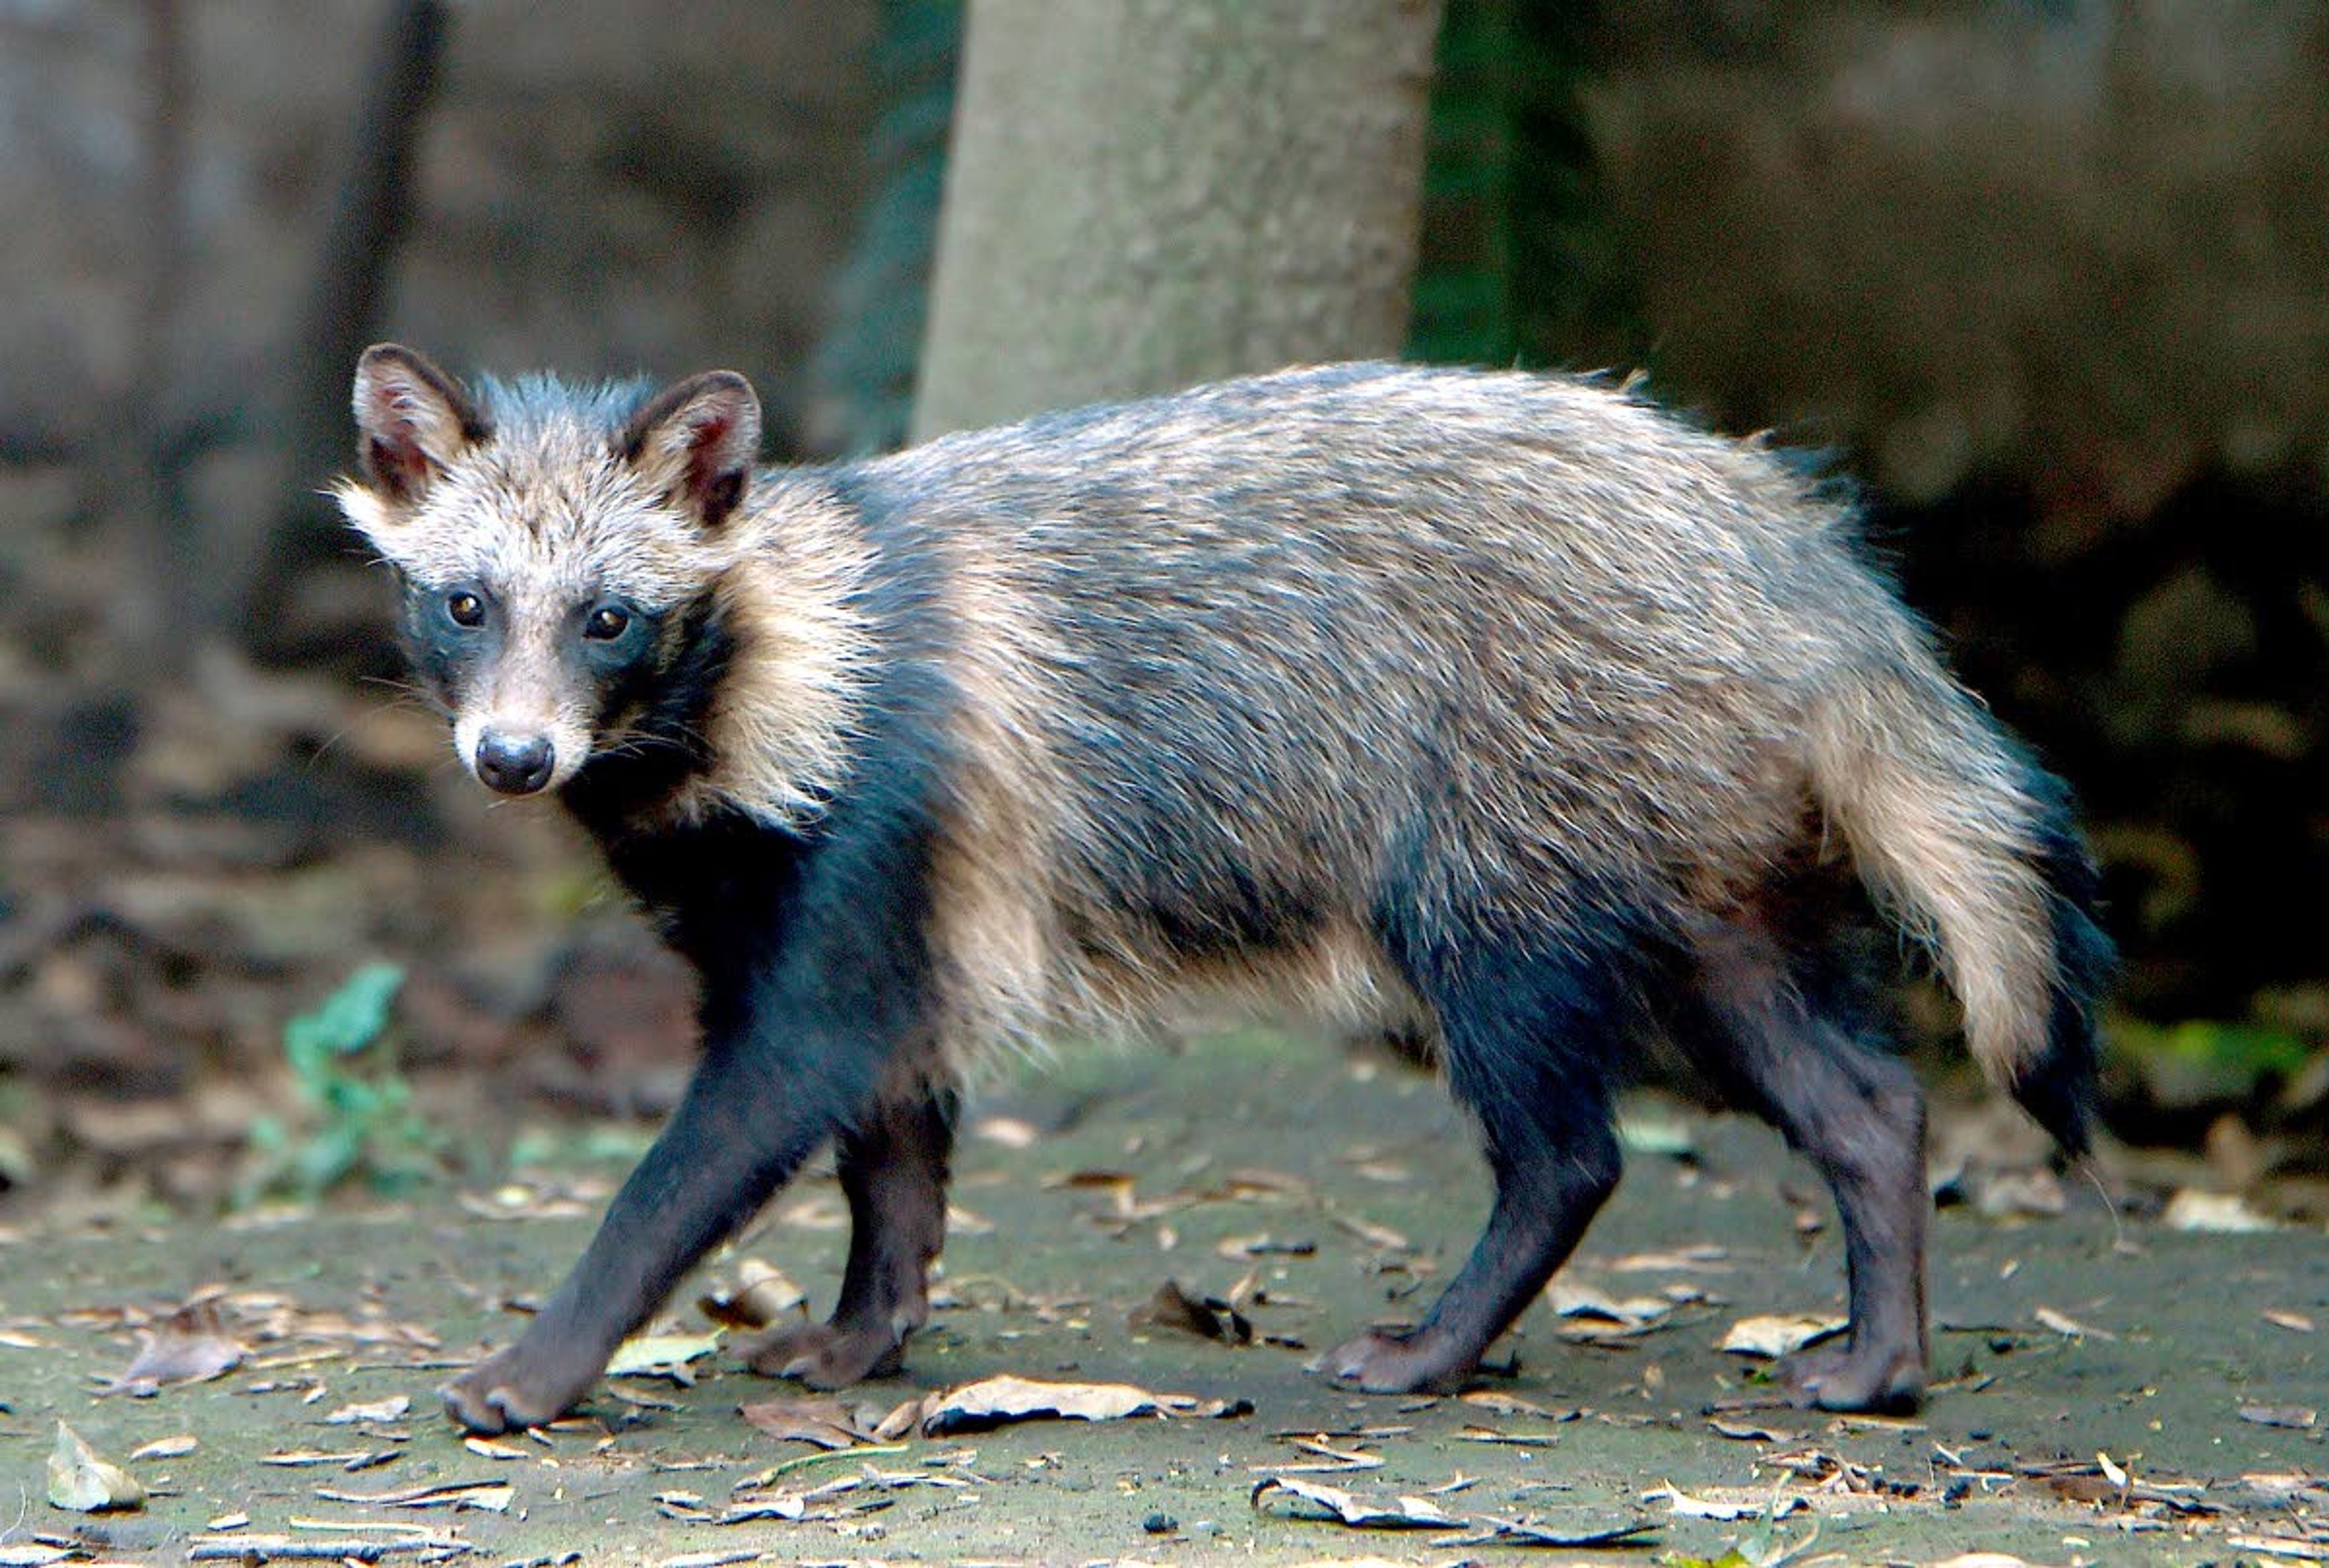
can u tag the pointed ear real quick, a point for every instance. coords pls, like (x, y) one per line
(696, 442)
(412, 419)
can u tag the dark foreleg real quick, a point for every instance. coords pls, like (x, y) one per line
(729, 1146)
(894, 1170)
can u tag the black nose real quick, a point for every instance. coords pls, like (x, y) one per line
(515, 765)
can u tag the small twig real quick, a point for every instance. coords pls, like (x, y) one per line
(239, 1548)
(803, 1461)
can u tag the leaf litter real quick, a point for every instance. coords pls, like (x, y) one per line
(189, 1345)
(1303, 1499)
(664, 1355)
(393, 1408)
(761, 1295)
(486, 1496)
(1287, 1497)
(1771, 1336)
(999, 1401)
(86, 1482)
(825, 1422)
(1201, 1317)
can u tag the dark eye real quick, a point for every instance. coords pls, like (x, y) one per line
(607, 622)
(465, 608)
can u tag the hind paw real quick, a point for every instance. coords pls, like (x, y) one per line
(1881, 1381)
(824, 1355)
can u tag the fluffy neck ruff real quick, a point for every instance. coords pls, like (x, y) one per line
(780, 730)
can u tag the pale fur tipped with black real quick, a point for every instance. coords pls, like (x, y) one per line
(1503, 708)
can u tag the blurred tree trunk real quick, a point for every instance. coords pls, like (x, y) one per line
(1154, 192)
(149, 612)
(859, 393)
(368, 219)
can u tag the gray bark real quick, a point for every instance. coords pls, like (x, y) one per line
(1147, 193)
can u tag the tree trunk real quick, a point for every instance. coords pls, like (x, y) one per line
(1153, 193)
(368, 220)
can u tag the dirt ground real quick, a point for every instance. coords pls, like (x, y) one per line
(2111, 1390)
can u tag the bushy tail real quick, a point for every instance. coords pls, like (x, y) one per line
(1972, 843)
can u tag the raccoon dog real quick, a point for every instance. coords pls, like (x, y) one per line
(1500, 707)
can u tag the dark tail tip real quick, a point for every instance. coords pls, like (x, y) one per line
(2058, 1088)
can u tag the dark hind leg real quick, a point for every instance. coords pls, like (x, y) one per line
(1525, 1047)
(1793, 1036)
(893, 1172)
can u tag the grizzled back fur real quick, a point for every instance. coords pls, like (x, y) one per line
(1313, 683)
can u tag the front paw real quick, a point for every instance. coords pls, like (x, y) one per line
(1390, 1361)
(824, 1355)
(513, 1388)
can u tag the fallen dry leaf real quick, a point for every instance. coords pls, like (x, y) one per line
(493, 1496)
(1681, 1259)
(779, 1506)
(30, 1554)
(2296, 1417)
(1253, 1184)
(1507, 1439)
(1313, 1501)
(393, 1408)
(2192, 1209)
(516, 1201)
(190, 1346)
(665, 1355)
(998, 1401)
(759, 1297)
(485, 1448)
(2069, 1328)
(1722, 1508)
(1265, 1245)
(1380, 1238)
(1010, 1132)
(902, 1419)
(83, 1481)
(165, 1448)
(825, 1422)
(967, 1222)
(1772, 1337)
(1588, 1527)
(1202, 1317)
(1591, 1314)
(1501, 1404)
(1649, 1134)
(2286, 1549)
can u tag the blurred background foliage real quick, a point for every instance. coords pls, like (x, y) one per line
(2046, 281)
